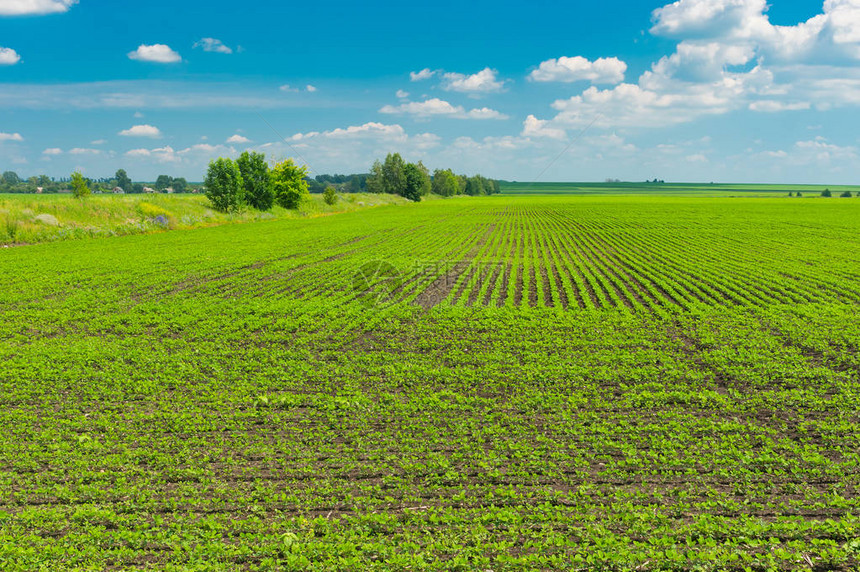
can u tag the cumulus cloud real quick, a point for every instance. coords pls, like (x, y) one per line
(52, 151)
(141, 131)
(438, 107)
(565, 69)
(287, 88)
(534, 127)
(9, 57)
(310, 89)
(402, 94)
(84, 151)
(34, 7)
(213, 45)
(157, 53)
(238, 139)
(485, 81)
(426, 73)
(10, 137)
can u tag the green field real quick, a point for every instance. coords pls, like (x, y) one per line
(506, 383)
(669, 189)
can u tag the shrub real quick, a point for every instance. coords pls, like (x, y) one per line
(289, 184)
(79, 185)
(846, 194)
(330, 195)
(826, 193)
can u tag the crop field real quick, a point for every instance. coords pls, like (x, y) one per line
(505, 383)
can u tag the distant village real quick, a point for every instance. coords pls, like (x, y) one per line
(120, 184)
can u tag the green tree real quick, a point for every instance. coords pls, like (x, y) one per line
(163, 181)
(845, 194)
(375, 181)
(123, 181)
(137, 188)
(224, 186)
(258, 184)
(289, 184)
(11, 178)
(79, 185)
(445, 183)
(414, 182)
(826, 193)
(180, 185)
(474, 186)
(330, 195)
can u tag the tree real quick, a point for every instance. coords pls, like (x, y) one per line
(426, 184)
(11, 178)
(393, 174)
(445, 183)
(845, 194)
(163, 181)
(224, 186)
(258, 184)
(123, 181)
(330, 195)
(79, 185)
(474, 186)
(826, 193)
(799, 194)
(375, 182)
(289, 184)
(137, 188)
(414, 181)
(180, 185)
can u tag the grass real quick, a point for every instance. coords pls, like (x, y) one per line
(671, 189)
(24, 221)
(542, 383)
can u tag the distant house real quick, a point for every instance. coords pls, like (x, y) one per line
(39, 190)
(118, 191)
(149, 190)
(169, 190)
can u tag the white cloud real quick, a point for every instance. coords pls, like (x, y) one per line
(310, 89)
(82, 151)
(564, 69)
(213, 45)
(534, 127)
(402, 94)
(98, 142)
(697, 158)
(485, 81)
(138, 115)
(10, 137)
(52, 151)
(160, 155)
(238, 139)
(141, 131)
(8, 57)
(439, 107)
(772, 106)
(286, 88)
(157, 53)
(34, 7)
(426, 73)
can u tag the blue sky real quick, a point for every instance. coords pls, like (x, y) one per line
(695, 90)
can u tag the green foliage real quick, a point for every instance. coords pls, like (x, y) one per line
(415, 181)
(288, 184)
(180, 185)
(10, 178)
(258, 184)
(80, 188)
(123, 181)
(445, 183)
(330, 196)
(224, 185)
(388, 177)
(826, 193)
(846, 194)
(163, 181)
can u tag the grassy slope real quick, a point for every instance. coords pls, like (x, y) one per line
(116, 215)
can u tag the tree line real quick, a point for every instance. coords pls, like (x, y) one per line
(11, 182)
(413, 180)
